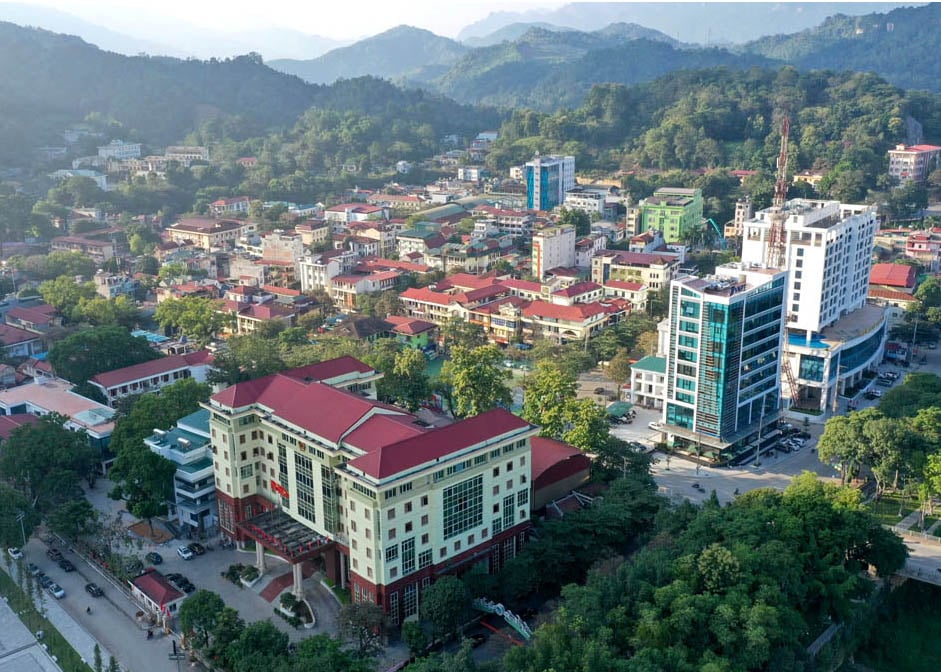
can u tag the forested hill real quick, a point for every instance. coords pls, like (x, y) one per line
(48, 81)
(901, 46)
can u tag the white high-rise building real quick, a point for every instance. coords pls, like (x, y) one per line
(553, 247)
(833, 335)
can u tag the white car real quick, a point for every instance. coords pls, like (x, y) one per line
(56, 591)
(185, 552)
(15, 553)
(655, 426)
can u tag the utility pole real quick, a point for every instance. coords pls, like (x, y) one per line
(20, 517)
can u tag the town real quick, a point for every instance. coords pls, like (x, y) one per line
(382, 393)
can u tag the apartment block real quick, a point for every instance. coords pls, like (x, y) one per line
(547, 180)
(913, 163)
(553, 247)
(673, 211)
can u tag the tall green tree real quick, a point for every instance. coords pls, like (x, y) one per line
(548, 395)
(198, 318)
(65, 295)
(444, 605)
(12, 504)
(362, 625)
(477, 379)
(86, 353)
(199, 615)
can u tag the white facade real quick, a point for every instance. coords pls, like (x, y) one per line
(828, 253)
(118, 149)
(553, 247)
(588, 199)
(317, 270)
(832, 335)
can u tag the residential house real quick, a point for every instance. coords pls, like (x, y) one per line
(653, 270)
(157, 595)
(913, 163)
(925, 247)
(113, 285)
(37, 319)
(16, 342)
(648, 382)
(228, 207)
(345, 288)
(207, 233)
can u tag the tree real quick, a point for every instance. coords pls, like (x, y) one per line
(160, 410)
(73, 519)
(548, 394)
(65, 295)
(408, 381)
(48, 477)
(197, 318)
(247, 357)
(13, 503)
(619, 367)
(86, 353)
(414, 637)
(97, 660)
(576, 218)
(362, 624)
(199, 616)
(477, 379)
(588, 427)
(113, 665)
(929, 293)
(843, 440)
(457, 332)
(144, 480)
(259, 646)
(322, 652)
(444, 605)
(99, 311)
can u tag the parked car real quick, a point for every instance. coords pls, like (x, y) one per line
(54, 554)
(66, 565)
(15, 553)
(154, 558)
(173, 577)
(185, 552)
(94, 590)
(56, 590)
(654, 426)
(44, 579)
(33, 569)
(198, 549)
(877, 393)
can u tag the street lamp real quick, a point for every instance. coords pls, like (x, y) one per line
(20, 517)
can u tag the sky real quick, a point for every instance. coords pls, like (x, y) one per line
(350, 19)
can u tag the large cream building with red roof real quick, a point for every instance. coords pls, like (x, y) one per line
(309, 465)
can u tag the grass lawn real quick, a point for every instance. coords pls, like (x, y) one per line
(907, 637)
(929, 521)
(887, 508)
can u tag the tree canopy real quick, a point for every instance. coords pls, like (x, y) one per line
(84, 354)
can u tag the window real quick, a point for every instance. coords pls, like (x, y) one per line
(457, 545)
(496, 490)
(394, 607)
(508, 504)
(369, 552)
(424, 538)
(246, 471)
(462, 506)
(391, 533)
(424, 500)
(424, 519)
(424, 559)
(509, 466)
(408, 556)
(410, 600)
(496, 471)
(391, 514)
(367, 514)
(408, 507)
(304, 478)
(392, 553)
(442, 552)
(408, 527)
(522, 497)
(393, 572)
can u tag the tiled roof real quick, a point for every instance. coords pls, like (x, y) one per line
(468, 281)
(409, 325)
(425, 295)
(547, 453)
(157, 588)
(652, 364)
(480, 294)
(381, 430)
(10, 422)
(522, 285)
(154, 367)
(13, 335)
(328, 370)
(32, 314)
(639, 258)
(577, 313)
(892, 275)
(428, 446)
(624, 284)
(890, 294)
(577, 288)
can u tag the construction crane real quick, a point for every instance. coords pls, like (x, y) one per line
(777, 245)
(774, 253)
(719, 237)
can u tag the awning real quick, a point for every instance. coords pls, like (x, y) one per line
(619, 408)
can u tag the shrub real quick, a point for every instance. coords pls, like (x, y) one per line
(249, 573)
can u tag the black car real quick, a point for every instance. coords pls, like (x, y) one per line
(154, 558)
(54, 554)
(186, 587)
(94, 590)
(198, 549)
(173, 577)
(66, 565)
(45, 581)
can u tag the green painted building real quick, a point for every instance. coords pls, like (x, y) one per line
(673, 211)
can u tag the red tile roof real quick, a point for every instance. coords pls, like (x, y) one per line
(425, 295)
(468, 281)
(560, 457)
(409, 325)
(480, 294)
(13, 335)
(381, 430)
(328, 370)
(157, 588)
(892, 275)
(32, 314)
(523, 285)
(434, 444)
(639, 258)
(890, 294)
(624, 284)
(10, 422)
(923, 148)
(577, 313)
(154, 367)
(577, 288)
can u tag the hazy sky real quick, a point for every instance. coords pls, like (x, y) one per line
(341, 20)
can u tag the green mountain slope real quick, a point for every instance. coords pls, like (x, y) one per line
(48, 81)
(396, 53)
(901, 46)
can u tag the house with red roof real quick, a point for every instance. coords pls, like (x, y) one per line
(156, 594)
(655, 270)
(925, 247)
(34, 318)
(900, 277)
(153, 375)
(558, 468)
(387, 501)
(913, 163)
(228, 207)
